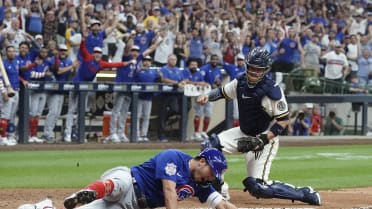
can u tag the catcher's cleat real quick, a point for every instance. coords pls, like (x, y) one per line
(310, 196)
(80, 198)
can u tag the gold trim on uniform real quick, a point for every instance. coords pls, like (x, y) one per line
(267, 159)
(281, 115)
(224, 93)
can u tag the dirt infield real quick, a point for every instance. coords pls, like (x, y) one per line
(344, 198)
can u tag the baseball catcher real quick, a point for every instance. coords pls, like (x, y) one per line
(263, 115)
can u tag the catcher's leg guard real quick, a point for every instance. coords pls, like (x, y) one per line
(213, 141)
(260, 189)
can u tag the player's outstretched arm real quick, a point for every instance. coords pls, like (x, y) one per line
(170, 194)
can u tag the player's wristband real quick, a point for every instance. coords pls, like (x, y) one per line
(276, 129)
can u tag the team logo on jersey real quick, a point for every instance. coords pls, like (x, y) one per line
(292, 44)
(281, 106)
(184, 192)
(143, 40)
(170, 169)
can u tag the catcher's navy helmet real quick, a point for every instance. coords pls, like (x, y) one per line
(258, 64)
(216, 161)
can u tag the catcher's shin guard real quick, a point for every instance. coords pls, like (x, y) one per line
(212, 142)
(260, 189)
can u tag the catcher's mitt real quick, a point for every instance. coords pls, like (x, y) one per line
(252, 143)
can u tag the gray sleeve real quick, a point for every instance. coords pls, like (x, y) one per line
(215, 94)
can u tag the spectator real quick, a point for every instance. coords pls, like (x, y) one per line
(97, 34)
(170, 103)
(39, 72)
(181, 50)
(365, 68)
(154, 17)
(333, 124)
(91, 64)
(61, 72)
(212, 44)
(143, 38)
(230, 48)
(121, 103)
(337, 67)
(35, 17)
(195, 45)
(213, 76)
(146, 74)
(14, 35)
(167, 34)
(234, 71)
(301, 125)
(9, 106)
(352, 54)
(316, 121)
(50, 26)
(286, 51)
(247, 45)
(312, 54)
(73, 38)
(358, 24)
(194, 77)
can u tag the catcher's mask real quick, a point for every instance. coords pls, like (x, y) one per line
(216, 161)
(258, 65)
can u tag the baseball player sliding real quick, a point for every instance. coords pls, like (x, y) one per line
(162, 181)
(263, 112)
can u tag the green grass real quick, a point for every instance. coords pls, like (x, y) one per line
(324, 167)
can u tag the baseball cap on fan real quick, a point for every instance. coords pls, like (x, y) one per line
(240, 56)
(135, 47)
(97, 49)
(147, 57)
(62, 47)
(38, 36)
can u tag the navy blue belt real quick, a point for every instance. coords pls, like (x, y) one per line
(141, 198)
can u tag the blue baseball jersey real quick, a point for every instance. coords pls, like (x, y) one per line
(93, 40)
(62, 63)
(290, 48)
(172, 165)
(211, 74)
(196, 47)
(49, 62)
(89, 67)
(12, 70)
(150, 75)
(144, 40)
(233, 70)
(25, 61)
(128, 73)
(246, 49)
(172, 73)
(195, 76)
(37, 70)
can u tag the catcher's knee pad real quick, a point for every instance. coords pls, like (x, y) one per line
(212, 142)
(260, 189)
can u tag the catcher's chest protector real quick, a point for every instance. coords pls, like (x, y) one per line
(252, 116)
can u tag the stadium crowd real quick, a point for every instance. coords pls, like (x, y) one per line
(189, 41)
